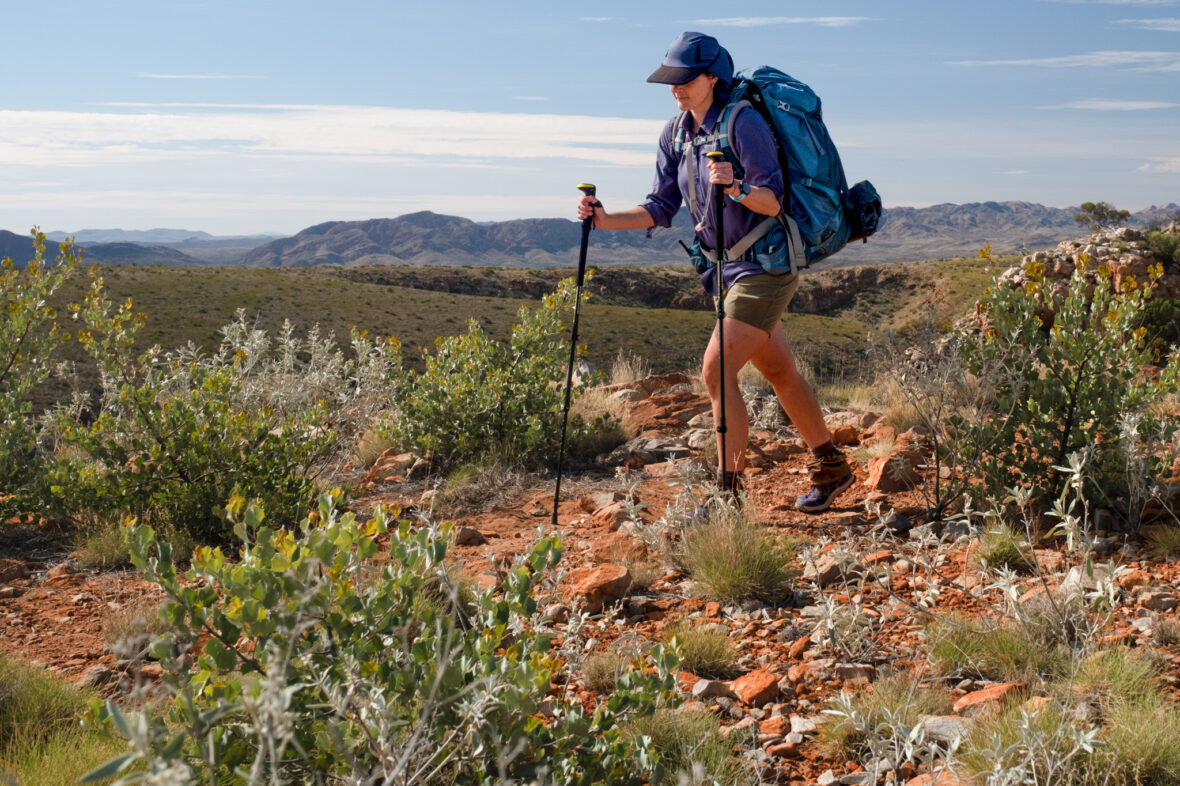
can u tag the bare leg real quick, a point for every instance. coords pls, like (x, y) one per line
(741, 341)
(776, 362)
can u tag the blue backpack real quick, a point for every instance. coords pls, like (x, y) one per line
(827, 212)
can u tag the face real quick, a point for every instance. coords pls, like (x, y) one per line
(696, 95)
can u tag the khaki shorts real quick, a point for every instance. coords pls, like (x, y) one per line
(760, 299)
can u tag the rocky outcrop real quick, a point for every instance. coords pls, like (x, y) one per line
(1124, 252)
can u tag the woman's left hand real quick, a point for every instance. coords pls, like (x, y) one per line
(720, 172)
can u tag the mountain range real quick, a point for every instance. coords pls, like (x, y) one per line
(426, 238)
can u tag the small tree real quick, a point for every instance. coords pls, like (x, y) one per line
(1097, 216)
(29, 334)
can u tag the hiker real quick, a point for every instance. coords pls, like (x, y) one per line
(699, 71)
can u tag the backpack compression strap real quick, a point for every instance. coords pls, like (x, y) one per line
(720, 135)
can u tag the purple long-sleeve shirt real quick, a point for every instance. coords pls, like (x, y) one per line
(753, 144)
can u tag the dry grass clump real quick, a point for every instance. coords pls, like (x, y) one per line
(895, 699)
(849, 395)
(705, 649)
(604, 426)
(1000, 546)
(601, 670)
(476, 487)
(691, 748)
(750, 377)
(370, 445)
(732, 558)
(129, 630)
(1028, 651)
(1165, 542)
(627, 370)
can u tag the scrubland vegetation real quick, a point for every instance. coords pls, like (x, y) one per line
(287, 656)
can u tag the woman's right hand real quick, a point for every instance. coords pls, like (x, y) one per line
(586, 207)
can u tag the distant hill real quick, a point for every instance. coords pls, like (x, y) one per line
(431, 239)
(148, 236)
(426, 238)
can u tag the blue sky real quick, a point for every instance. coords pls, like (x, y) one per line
(269, 116)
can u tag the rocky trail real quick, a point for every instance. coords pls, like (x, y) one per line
(794, 657)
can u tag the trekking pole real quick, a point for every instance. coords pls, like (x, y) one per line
(719, 300)
(587, 224)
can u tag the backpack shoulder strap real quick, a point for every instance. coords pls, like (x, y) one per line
(722, 133)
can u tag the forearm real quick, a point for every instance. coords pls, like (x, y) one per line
(761, 200)
(631, 218)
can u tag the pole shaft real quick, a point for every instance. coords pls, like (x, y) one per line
(719, 205)
(587, 225)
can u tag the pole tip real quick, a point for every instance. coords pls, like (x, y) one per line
(589, 189)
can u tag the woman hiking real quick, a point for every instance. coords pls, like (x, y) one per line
(699, 71)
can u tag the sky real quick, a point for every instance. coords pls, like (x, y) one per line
(253, 116)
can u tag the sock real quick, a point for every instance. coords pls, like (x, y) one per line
(824, 449)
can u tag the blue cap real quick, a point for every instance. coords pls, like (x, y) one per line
(691, 55)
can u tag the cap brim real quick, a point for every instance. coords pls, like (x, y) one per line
(669, 75)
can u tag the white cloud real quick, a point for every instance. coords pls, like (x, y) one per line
(1114, 105)
(1143, 61)
(1164, 166)
(316, 132)
(759, 21)
(197, 76)
(1165, 24)
(1016, 172)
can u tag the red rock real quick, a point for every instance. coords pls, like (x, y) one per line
(944, 778)
(598, 586)
(845, 435)
(879, 433)
(778, 726)
(755, 688)
(388, 464)
(151, 671)
(1037, 703)
(712, 609)
(877, 557)
(1134, 578)
(612, 516)
(896, 472)
(61, 570)
(11, 569)
(992, 696)
(799, 647)
(784, 750)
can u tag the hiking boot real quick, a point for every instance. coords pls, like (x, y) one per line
(830, 475)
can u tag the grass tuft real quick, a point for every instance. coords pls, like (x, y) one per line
(984, 649)
(1165, 542)
(895, 698)
(705, 650)
(732, 559)
(1000, 546)
(691, 740)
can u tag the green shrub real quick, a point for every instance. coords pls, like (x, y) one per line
(177, 433)
(294, 665)
(29, 334)
(1061, 363)
(1165, 246)
(478, 397)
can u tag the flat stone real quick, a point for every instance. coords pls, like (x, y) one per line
(803, 725)
(855, 672)
(1158, 601)
(990, 697)
(799, 647)
(612, 516)
(711, 689)
(784, 750)
(945, 728)
(97, 675)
